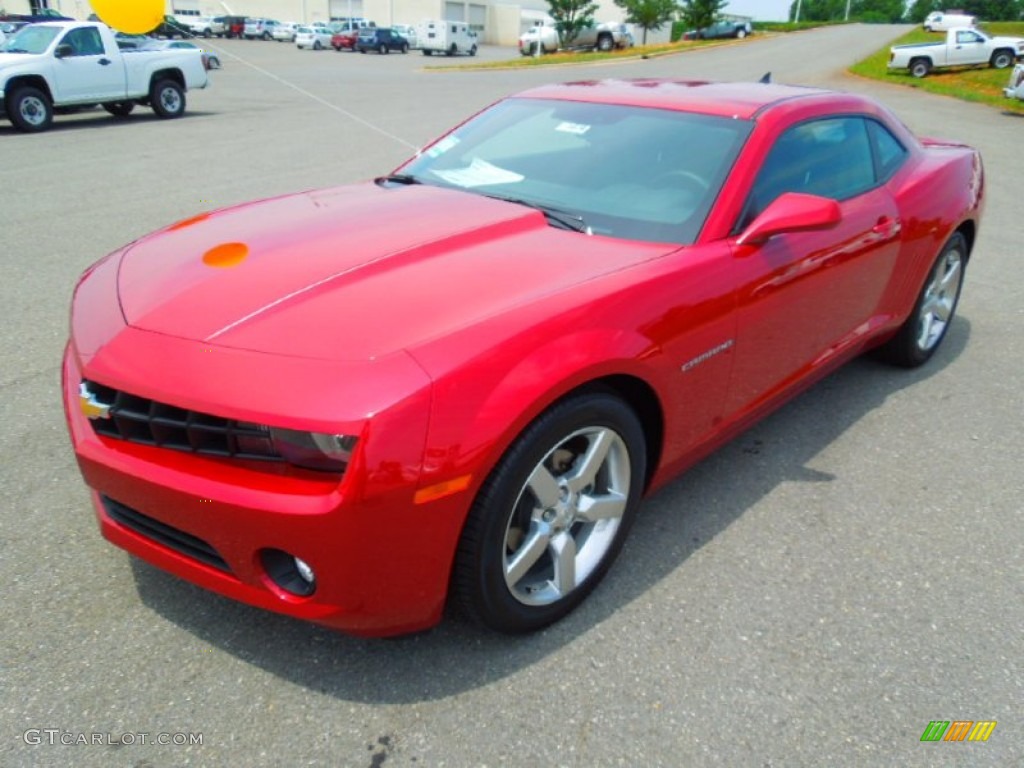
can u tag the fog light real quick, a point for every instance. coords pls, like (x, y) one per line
(290, 573)
(304, 571)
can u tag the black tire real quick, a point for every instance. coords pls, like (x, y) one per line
(1002, 59)
(920, 67)
(472, 51)
(405, 47)
(512, 571)
(167, 99)
(427, 52)
(266, 35)
(207, 34)
(741, 33)
(30, 110)
(452, 51)
(119, 108)
(923, 331)
(316, 45)
(605, 43)
(383, 49)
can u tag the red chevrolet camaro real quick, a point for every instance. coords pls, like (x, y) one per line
(453, 384)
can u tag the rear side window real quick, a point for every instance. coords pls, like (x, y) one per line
(889, 152)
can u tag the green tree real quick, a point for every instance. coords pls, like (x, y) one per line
(571, 16)
(648, 14)
(698, 14)
(878, 11)
(919, 10)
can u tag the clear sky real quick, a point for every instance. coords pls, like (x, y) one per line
(760, 10)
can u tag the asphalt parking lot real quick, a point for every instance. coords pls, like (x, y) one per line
(813, 594)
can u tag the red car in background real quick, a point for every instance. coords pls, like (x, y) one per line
(455, 384)
(345, 39)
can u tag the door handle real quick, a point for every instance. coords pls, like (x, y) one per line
(104, 62)
(887, 227)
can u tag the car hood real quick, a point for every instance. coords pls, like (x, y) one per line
(354, 272)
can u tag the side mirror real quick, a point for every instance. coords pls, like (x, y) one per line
(64, 50)
(791, 212)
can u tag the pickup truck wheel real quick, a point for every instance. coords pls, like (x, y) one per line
(30, 110)
(605, 43)
(741, 33)
(119, 108)
(167, 99)
(920, 67)
(1002, 59)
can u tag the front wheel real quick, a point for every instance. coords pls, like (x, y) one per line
(922, 332)
(741, 33)
(167, 99)
(552, 516)
(405, 47)
(316, 45)
(472, 51)
(30, 110)
(1002, 59)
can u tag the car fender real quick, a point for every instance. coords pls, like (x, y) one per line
(481, 407)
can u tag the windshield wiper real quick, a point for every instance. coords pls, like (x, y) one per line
(397, 178)
(558, 217)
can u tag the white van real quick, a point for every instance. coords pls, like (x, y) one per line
(940, 21)
(447, 37)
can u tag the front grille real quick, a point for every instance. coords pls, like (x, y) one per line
(141, 420)
(181, 542)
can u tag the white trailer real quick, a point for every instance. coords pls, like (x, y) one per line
(447, 37)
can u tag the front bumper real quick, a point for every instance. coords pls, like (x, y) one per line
(381, 560)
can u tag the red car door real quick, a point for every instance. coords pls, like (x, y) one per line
(803, 297)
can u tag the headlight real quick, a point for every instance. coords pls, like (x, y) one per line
(314, 450)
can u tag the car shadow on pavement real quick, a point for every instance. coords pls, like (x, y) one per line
(673, 524)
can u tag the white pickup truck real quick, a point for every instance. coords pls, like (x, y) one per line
(962, 46)
(58, 66)
(602, 36)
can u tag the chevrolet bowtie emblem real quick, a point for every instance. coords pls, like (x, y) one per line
(91, 407)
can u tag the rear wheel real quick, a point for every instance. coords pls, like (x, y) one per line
(405, 47)
(316, 45)
(453, 50)
(920, 67)
(923, 332)
(167, 99)
(552, 516)
(472, 51)
(30, 110)
(605, 43)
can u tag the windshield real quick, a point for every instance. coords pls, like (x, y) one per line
(629, 172)
(34, 38)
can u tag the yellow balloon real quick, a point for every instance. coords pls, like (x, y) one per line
(134, 17)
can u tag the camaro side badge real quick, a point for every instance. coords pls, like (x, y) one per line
(704, 356)
(91, 407)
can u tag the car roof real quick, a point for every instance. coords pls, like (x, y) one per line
(740, 100)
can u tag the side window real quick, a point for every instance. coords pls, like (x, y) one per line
(831, 158)
(889, 153)
(84, 42)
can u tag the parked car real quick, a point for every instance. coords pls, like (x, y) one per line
(62, 66)
(171, 28)
(961, 47)
(1015, 90)
(940, 21)
(724, 28)
(601, 36)
(347, 38)
(408, 32)
(285, 31)
(234, 26)
(314, 38)
(203, 26)
(210, 58)
(259, 29)
(42, 14)
(382, 40)
(707, 252)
